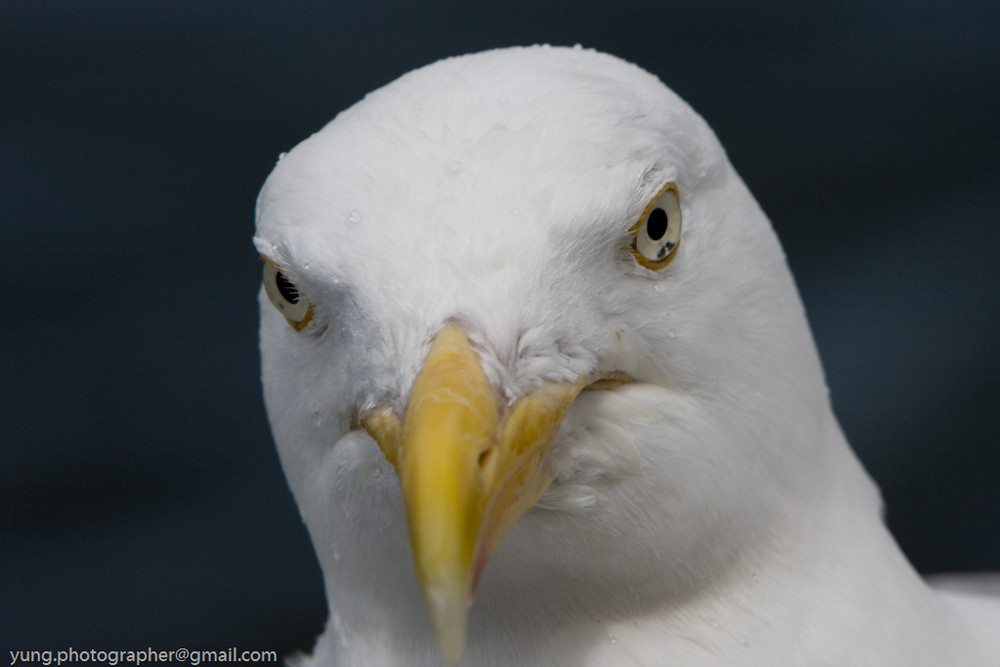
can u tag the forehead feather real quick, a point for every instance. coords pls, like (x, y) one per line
(550, 135)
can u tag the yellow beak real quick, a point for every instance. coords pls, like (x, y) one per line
(469, 466)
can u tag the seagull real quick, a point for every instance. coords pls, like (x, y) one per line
(545, 393)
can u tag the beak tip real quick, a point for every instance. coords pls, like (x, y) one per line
(448, 607)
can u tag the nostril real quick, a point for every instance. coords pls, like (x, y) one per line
(486, 456)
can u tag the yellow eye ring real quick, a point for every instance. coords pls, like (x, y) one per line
(657, 234)
(285, 296)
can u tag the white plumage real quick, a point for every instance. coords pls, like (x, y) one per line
(704, 507)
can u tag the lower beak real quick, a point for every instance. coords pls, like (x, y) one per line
(469, 466)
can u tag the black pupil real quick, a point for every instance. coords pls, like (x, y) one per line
(656, 225)
(286, 288)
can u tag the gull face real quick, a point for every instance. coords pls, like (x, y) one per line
(455, 268)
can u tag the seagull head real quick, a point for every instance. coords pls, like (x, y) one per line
(519, 309)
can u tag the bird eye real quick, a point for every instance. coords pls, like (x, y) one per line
(286, 297)
(658, 232)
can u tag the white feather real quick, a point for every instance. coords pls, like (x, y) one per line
(710, 513)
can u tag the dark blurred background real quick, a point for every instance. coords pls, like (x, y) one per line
(141, 501)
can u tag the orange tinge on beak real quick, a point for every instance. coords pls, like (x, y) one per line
(469, 466)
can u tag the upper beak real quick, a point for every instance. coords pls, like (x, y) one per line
(469, 466)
